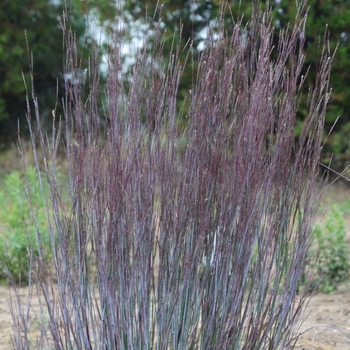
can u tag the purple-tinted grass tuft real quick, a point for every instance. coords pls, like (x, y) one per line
(174, 238)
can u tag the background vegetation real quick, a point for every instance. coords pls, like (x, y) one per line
(19, 201)
(183, 20)
(31, 40)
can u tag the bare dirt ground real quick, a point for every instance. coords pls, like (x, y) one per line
(328, 314)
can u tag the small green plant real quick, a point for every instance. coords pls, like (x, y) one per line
(16, 225)
(333, 260)
(345, 207)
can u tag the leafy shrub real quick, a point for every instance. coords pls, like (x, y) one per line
(333, 258)
(345, 206)
(18, 201)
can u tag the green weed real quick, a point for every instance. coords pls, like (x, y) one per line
(333, 259)
(17, 229)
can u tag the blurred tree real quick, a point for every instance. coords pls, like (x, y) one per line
(194, 17)
(40, 19)
(334, 14)
(184, 22)
(38, 23)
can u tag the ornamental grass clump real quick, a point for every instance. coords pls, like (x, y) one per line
(182, 238)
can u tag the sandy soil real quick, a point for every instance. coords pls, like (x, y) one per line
(327, 314)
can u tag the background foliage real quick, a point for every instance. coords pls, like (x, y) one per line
(19, 232)
(182, 20)
(335, 15)
(194, 17)
(331, 254)
(31, 34)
